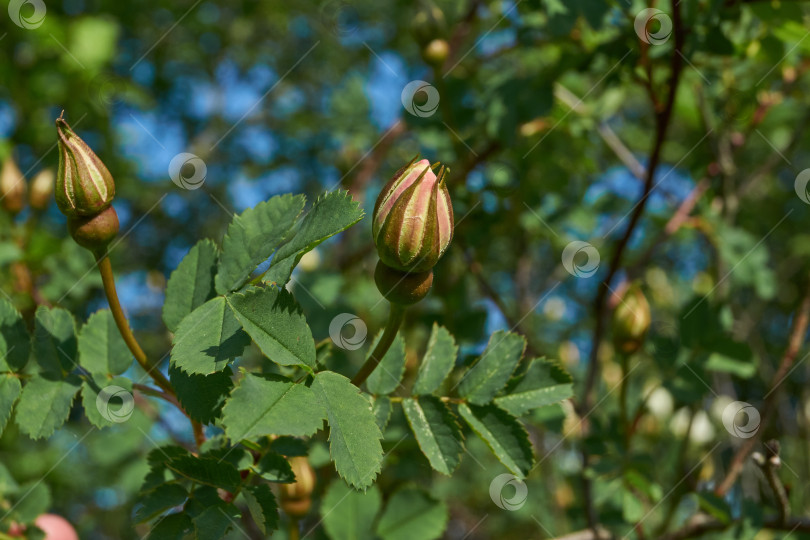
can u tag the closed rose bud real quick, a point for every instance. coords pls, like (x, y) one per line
(435, 53)
(12, 187)
(413, 218)
(42, 189)
(296, 498)
(631, 320)
(84, 186)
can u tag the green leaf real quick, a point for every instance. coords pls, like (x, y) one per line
(270, 404)
(7, 482)
(191, 284)
(289, 446)
(436, 430)
(354, 438)
(331, 214)
(503, 434)
(387, 375)
(412, 513)
(277, 325)
(102, 350)
(729, 356)
(439, 360)
(202, 396)
(32, 500)
(274, 467)
(262, 506)
(115, 405)
(348, 514)
(45, 404)
(10, 389)
(715, 506)
(492, 370)
(381, 407)
(208, 339)
(279, 273)
(172, 527)
(15, 344)
(632, 507)
(158, 459)
(55, 341)
(210, 471)
(252, 238)
(214, 522)
(544, 383)
(238, 456)
(156, 501)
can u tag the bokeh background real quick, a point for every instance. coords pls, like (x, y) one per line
(547, 113)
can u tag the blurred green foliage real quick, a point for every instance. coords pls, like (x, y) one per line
(280, 97)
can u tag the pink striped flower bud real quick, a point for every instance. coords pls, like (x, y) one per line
(413, 218)
(84, 186)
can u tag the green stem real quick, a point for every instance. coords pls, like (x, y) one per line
(395, 317)
(108, 280)
(293, 529)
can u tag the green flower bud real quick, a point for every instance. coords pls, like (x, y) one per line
(12, 187)
(94, 232)
(84, 186)
(296, 498)
(631, 320)
(435, 53)
(42, 189)
(413, 218)
(402, 288)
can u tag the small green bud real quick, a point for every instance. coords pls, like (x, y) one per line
(296, 498)
(401, 287)
(12, 187)
(436, 52)
(631, 320)
(413, 218)
(42, 189)
(94, 232)
(84, 186)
